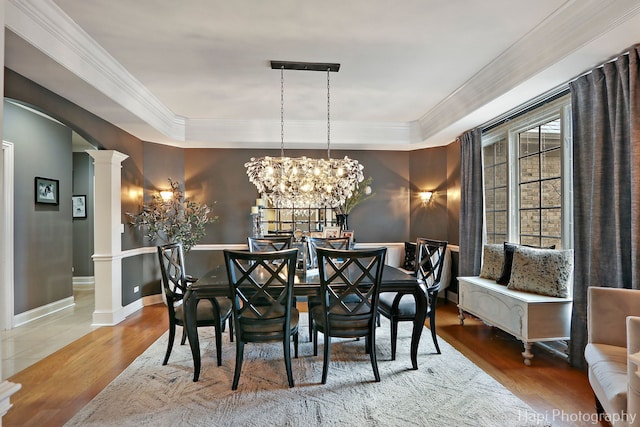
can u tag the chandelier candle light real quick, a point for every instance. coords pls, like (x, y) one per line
(303, 181)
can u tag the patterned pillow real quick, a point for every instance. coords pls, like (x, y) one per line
(492, 260)
(509, 248)
(542, 271)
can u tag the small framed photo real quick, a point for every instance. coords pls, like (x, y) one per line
(331, 231)
(79, 206)
(347, 233)
(47, 190)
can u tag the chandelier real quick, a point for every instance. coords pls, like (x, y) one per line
(303, 181)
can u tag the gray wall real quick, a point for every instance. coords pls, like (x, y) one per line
(219, 175)
(83, 227)
(42, 234)
(429, 173)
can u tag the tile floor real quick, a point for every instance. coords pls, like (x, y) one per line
(25, 345)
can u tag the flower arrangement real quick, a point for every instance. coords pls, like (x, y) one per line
(360, 194)
(177, 219)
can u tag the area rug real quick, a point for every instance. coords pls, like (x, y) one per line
(446, 390)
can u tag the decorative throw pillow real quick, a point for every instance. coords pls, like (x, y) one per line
(542, 271)
(509, 248)
(492, 257)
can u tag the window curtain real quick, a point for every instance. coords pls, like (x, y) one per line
(471, 203)
(606, 177)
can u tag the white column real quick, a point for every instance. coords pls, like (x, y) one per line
(107, 256)
(7, 388)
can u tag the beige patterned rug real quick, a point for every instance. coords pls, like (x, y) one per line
(446, 390)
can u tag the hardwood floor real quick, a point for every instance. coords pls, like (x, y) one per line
(55, 388)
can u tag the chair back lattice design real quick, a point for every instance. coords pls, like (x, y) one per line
(430, 255)
(341, 243)
(269, 244)
(174, 278)
(350, 283)
(262, 287)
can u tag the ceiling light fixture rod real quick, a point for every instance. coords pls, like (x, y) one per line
(328, 117)
(305, 66)
(282, 112)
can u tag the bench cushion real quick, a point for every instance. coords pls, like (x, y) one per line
(608, 374)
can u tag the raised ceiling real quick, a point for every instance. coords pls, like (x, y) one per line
(414, 73)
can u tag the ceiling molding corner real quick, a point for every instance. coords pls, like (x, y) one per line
(46, 27)
(572, 26)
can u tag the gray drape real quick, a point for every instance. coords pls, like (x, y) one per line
(606, 179)
(471, 203)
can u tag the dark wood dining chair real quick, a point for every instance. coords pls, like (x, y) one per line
(262, 287)
(269, 243)
(313, 243)
(349, 289)
(210, 312)
(401, 307)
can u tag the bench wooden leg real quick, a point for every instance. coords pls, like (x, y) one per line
(461, 316)
(527, 353)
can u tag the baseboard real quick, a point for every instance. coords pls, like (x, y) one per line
(45, 310)
(152, 299)
(452, 296)
(133, 307)
(83, 283)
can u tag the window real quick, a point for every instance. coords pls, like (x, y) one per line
(527, 177)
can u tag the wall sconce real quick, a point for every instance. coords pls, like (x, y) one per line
(426, 197)
(166, 195)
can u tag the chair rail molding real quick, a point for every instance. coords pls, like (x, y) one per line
(107, 240)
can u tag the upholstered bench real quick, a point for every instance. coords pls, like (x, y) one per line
(533, 303)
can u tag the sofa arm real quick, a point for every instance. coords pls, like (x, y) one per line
(633, 371)
(607, 310)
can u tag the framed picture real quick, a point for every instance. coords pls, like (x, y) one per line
(47, 190)
(331, 231)
(347, 233)
(79, 206)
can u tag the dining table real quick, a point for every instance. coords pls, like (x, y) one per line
(215, 283)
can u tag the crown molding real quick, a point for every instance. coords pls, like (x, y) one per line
(307, 134)
(45, 26)
(570, 28)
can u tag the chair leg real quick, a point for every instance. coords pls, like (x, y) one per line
(372, 353)
(172, 335)
(218, 342)
(310, 327)
(394, 337)
(184, 336)
(239, 357)
(287, 359)
(315, 342)
(295, 345)
(231, 328)
(327, 352)
(432, 326)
